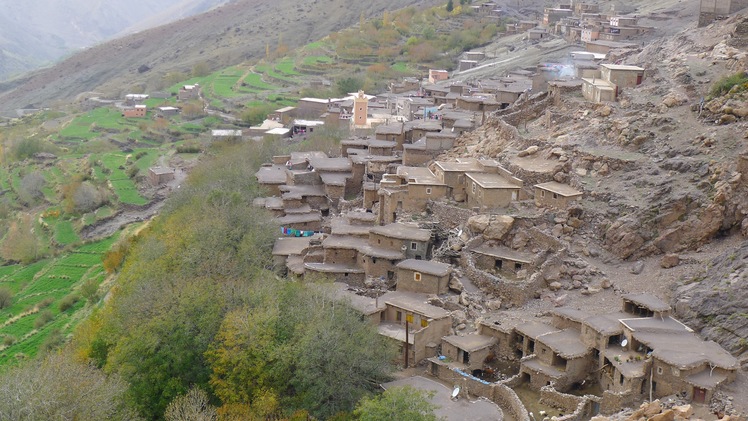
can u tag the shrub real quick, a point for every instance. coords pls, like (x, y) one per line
(68, 302)
(90, 290)
(45, 302)
(6, 297)
(9, 340)
(726, 84)
(45, 317)
(133, 171)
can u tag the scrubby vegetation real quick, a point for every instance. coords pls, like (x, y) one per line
(737, 82)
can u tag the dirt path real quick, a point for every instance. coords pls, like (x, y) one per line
(132, 214)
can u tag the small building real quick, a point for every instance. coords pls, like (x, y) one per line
(425, 276)
(160, 175)
(437, 75)
(167, 111)
(598, 90)
(502, 259)
(409, 319)
(283, 115)
(134, 99)
(471, 350)
(491, 191)
(538, 33)
(138, 111)
(555, 195)
(623, 76)
(224, 134)
(187, 92)
(475, 55)
(467, 65)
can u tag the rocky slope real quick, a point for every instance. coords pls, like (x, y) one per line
(39, 32)
(221, 37)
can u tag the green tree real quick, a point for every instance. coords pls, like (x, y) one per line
(349, 85)
(405, 403)
(6, 297)
(450, 6)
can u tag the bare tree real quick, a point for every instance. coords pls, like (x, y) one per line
(58, 388)
(193, 406)
(31, 187)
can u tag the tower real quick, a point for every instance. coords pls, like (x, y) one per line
(360, 109)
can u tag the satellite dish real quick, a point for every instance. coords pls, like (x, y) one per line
(624, 342)
(455, 392)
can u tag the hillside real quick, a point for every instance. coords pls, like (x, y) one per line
(227, 35)
(37, 33)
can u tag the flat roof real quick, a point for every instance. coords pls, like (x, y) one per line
(471, 342)
(706, 379)
(278, 131)
(491, 181)
(648, 301)
(299, 218)
(686, 350)
(274, 174)
(502, 252)
(161, 170)
(365, 305)
(534, 329)
(426, 266)
(330, 164)
(460, 165)
(623, 67)
(285, 109)
(332, 268)
(417, 303)
(291, 245)
(606, 324)
(402, 231)
(567, 343)
(601, 83)
(572, 314)
(223, 132)
(298, 192)
(418, 175)
(562, 189)
(343, 242)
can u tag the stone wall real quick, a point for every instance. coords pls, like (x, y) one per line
(515, 293)
(500, 393)
(449, 216)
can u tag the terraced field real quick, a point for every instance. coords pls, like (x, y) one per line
(46, 299)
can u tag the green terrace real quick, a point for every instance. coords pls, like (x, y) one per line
(46, 298)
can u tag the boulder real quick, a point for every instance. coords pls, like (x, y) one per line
(455, 284)
(637, 267)
(684, 411)
(498, 226)
(555, 286)
(478, 223)
(494, 305)
(669, 260)
(532, 150)
(605, 111)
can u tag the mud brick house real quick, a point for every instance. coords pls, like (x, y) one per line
(283, 115)
(470, 350)
(487, 191)
(137, 111)
(425, 276)
(598, 90)
(425, 324)
(160, 175)
(452, 173)
(393, 132)
(551, 15)
(134, 99)
(623, 76)
(188, 92)
(502, 259)
(409, 190)
(288, 251)
(555, 195)
(270, 177)
(428, 147)
(436, 75)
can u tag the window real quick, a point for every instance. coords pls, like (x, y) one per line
(659, 370)
(675, 371)
(473, 187)
(542, 193)
(424, 323)
(428, 190)
(621, 379)
(555, 195)
(399, 316)
(417, 276)
(518, 266)
(413, 245)
(409, 318)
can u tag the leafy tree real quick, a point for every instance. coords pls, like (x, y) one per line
(200, 69)
(349, 85)
(406, 403)
(450, 6)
